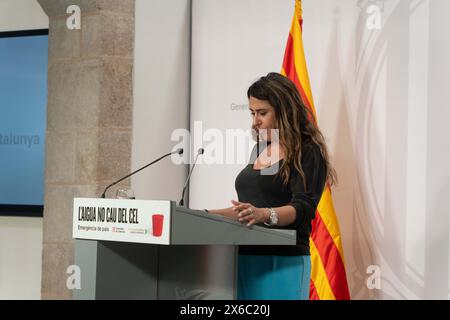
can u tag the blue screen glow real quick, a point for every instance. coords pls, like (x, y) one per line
(23, 105)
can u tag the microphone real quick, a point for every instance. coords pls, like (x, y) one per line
(181, 202)
(179, 151)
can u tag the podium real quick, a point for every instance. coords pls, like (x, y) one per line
(153, 249)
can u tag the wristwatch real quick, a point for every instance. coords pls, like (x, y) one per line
(273, 218)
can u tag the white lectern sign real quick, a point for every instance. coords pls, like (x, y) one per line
(141, 221)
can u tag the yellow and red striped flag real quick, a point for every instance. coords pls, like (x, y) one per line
(328, 278)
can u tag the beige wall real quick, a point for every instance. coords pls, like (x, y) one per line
(21, 238)
(20, 258)
(160, 93)
(21, 15)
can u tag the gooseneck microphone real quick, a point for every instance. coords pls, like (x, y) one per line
(200, 151)
(179, 151)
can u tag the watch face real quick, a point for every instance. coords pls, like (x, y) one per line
(273, 218)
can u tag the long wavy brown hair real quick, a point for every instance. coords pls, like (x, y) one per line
(295, 122)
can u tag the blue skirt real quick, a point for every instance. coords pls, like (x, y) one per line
(273, 277)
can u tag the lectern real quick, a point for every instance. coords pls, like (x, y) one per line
(153, 249)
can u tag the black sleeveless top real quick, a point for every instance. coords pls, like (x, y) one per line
(265, 189)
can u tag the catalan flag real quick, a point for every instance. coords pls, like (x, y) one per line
(328, 278)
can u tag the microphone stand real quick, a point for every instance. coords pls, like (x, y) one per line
(181, 202)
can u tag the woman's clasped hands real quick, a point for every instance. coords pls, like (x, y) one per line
(247, 213)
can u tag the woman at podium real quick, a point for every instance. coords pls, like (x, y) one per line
(279, 188)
